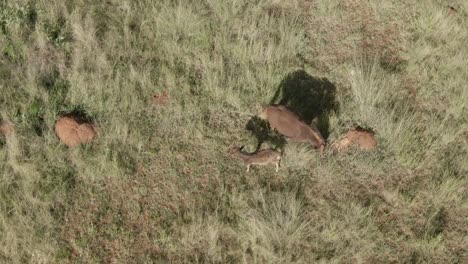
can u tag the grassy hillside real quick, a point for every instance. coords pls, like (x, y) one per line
(158, 186)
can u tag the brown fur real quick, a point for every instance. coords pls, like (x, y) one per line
(290, 125)
(261, 157)
(363, 139)
(71, 131)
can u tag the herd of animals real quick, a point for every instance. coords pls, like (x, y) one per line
(73, 131)
(286, 123)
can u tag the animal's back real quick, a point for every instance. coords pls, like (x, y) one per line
(290, 125)
(266, 153)
(283, 120)
(263, 157)
(312, 135)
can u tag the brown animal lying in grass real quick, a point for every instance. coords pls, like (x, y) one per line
(72, 131)
(261, 157)
(362, 139)
(290, 125)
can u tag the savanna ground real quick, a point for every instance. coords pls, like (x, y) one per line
(157, 186)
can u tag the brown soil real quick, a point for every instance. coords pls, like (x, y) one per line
(6, 128)
(72, 131)
(160, 99)
(363, 139)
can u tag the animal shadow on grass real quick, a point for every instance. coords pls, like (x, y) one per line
(308, 97)
(263, 133)
(78, 113)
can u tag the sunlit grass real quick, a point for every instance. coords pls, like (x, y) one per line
(158, 185)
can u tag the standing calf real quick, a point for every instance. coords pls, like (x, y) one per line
(261, 157)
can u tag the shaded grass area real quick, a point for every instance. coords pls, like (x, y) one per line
(158, 185)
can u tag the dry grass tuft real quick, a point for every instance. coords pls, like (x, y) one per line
(340, 31)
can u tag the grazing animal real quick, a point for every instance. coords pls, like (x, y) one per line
(287, 123)
(261, 157)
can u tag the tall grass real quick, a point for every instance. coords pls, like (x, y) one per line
(375, 94)
(158, 185)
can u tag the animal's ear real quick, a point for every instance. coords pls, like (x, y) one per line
(315, 120)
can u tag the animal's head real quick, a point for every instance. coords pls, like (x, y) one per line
(235, 149)
(319, 143)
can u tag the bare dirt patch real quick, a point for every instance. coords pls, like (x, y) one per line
(73, 131)
(160, 99)
(362, 139)
(6, 128)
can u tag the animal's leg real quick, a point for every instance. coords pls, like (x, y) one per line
(277, 166)
(248, 168)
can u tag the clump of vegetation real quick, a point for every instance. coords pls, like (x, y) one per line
(159, 185)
